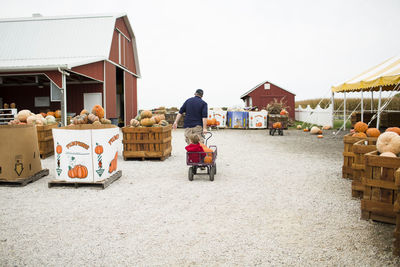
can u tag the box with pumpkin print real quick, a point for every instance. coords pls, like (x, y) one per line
(85, 153)
(258, 119)
(220, 116)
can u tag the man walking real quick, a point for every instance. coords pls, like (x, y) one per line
(196, 116)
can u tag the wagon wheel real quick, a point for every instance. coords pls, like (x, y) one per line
(280, 132)
(215, 168)
(270, 131)
(212, 172)
(194, 169)
(190, 174)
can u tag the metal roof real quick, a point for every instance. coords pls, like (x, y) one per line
(258, 85)
(51, 42)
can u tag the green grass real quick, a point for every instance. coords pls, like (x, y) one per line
(339, 123)
(336, 124)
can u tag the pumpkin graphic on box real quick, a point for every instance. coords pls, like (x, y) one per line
(78, 171)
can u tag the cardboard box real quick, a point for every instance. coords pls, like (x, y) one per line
(238, 119)
(220, 116)
(85, 153)
(258, 119)
(19, 157)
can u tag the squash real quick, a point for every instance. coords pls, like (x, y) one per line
(298, 127)
(134, 123)
(360, 127)
(96, 123)
(138, 117)
(162, 117)
(388, 154)
(315, 130)
(98, 111)
(393, 129)
(164, 123)
(23, 115)
(277, 125)
(92, 118)
(57, 114)
(320, 136)
(147, 122)
(373, 132)
(146, 114)
(157, 119)
(84, 111)
(360, 135)
(105, 121)
(388, 142)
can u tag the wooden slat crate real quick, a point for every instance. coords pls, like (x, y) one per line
(170, 118)
(396, 208)
(45, 140)
(348, 155)
(360, 148)
(147, 142)
(380, 190)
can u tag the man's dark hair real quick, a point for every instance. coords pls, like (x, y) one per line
(199, 92)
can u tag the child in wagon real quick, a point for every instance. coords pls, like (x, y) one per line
(195, 146)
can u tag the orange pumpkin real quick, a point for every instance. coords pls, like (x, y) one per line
(207, 149)
(98, 111)
(393, 129)
(283, 112)
(306, 130)
(84, 111)
(208, 159)
(57, 114)
(373, 132)
(361, 135)
(146, 114)
(320, 136)
(277, 125)
(58, 149)
(99, 149)
(214, 121)
(360, 127)
(80, 171)
(50, 113)
(43, 114)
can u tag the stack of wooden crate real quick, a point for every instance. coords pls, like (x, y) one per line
(45, 140)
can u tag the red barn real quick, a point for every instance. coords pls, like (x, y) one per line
(70, 63)
(264, 93)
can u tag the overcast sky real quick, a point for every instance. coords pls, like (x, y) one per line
(227, 47)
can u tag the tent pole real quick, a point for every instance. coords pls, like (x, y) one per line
(333, 108)
(372, 101)
(379, 108)
(362, 106)
(64, 100)
(344, 111)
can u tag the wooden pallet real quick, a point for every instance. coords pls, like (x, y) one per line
(380, 188)
(25, 181)
(43, 156)
(360, 148)
(146, 156)
(102, 184)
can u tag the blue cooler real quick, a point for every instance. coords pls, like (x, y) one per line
(238, 119)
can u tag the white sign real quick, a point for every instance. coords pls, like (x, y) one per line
(257, 119)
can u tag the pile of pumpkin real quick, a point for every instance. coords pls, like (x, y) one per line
(212, 122)
(146, 119)
(95, 118)
(315, 130)
(27, 117)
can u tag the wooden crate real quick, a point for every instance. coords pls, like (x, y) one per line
(170, 118)
(45, 140)
(348, 154)
(360, 148)
(147, 142)
(380, 190)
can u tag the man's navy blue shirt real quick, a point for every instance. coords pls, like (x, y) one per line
(196, 109)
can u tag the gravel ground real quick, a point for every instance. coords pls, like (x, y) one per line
(276, 200)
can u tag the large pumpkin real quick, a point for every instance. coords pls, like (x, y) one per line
(23, 115)
(373, 132)
(98, 111)
(57, 114)
(388, 142)
(393, 129)
(277, 125)
(147, 122)
(360, 127)
(208, 159)
(146, 114)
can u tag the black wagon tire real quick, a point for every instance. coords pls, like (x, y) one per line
(212, 174)
(194, 169)
(190, 174)
(215, 169)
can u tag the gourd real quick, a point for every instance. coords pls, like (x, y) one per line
(23, 115)
(98, 111)
(388, 154)
(92, 118)
(146, 114)
(360, 127)
(134, 123)
(388, 142)
(147, 122)
(162, 117)
(96, 123)
(359, 134)
(105, 121)
(57, 114)
(393, 129)
(314, 130)
(298, 127)
(373, 132)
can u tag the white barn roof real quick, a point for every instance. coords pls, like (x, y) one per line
(51, 42)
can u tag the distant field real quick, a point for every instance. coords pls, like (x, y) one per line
(351, 103)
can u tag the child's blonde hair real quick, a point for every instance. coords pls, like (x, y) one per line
(194, 139)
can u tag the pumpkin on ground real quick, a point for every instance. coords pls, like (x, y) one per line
(315, 130)
(388, 154)
(326, 127)
(360, 127)
(306, 130)
(388, 142)
(146, 114)
(361, 135)
(393, 129)
(98, 111)
(373, 132)
(320, 136)
(298, 127)
(147, 122)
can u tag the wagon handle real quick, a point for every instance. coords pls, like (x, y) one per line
(204, 135)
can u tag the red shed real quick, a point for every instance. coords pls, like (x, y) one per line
(264, 93)
(77, 60)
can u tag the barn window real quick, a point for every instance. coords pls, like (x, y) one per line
(267, 86)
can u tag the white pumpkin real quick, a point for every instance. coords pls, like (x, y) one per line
(31, 119)
(50, 119)
(315, 130)
(388, 142)
(298, 127)
(23, 115)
